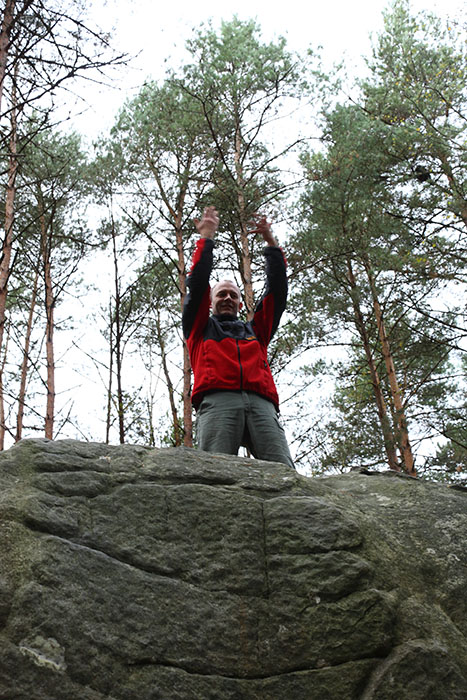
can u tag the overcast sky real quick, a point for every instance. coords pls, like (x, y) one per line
(157, 31)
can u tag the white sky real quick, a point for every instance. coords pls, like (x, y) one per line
(157, 32)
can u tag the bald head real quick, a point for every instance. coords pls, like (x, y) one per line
(226, 298)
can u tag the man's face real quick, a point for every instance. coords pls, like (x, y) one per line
(225, 298)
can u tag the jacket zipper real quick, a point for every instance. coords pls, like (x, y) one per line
(240, 364)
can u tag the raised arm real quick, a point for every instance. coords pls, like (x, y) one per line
(197, 300)
(272, 304)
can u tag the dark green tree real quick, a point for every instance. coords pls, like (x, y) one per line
(243, 86)
(416, 93)
(364, 273)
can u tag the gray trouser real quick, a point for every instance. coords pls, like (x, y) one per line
(228, 419)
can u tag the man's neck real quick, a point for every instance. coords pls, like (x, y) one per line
(225, 317)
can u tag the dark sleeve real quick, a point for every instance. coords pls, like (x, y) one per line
(271, 306)
(197, 300)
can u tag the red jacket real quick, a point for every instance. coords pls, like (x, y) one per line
(226, 353)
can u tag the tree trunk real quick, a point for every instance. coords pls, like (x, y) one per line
(2, 404)
(9, 220)
(49, 326)
(118, 349)
(5, 261)
(456, 190)
(152, 434)
(25, 362)
(177, 433)
(176, 213)
(7, 23)
(388, 436)
(245, 263)
(187, 409)
(111, 369)
(400, 418)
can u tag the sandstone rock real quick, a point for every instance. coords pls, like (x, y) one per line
(129, 573)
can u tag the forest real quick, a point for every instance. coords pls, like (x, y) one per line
(363, 176)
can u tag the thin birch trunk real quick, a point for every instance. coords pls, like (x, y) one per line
(187, 407)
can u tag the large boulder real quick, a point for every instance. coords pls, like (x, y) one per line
(132, 573)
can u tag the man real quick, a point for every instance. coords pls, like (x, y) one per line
(234, 392)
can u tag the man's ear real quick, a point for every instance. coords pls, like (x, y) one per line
(240, 306)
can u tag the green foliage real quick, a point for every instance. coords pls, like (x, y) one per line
(417, 89)
(352, 436)
(448, 465)
(377, 223)
(234, 72)
(241, 85)
(161, 144)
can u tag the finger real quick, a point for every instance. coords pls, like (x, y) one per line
(259, 226)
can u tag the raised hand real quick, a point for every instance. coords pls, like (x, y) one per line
(207, 225)
(263, 227)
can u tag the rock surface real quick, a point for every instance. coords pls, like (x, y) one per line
(128, 573)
